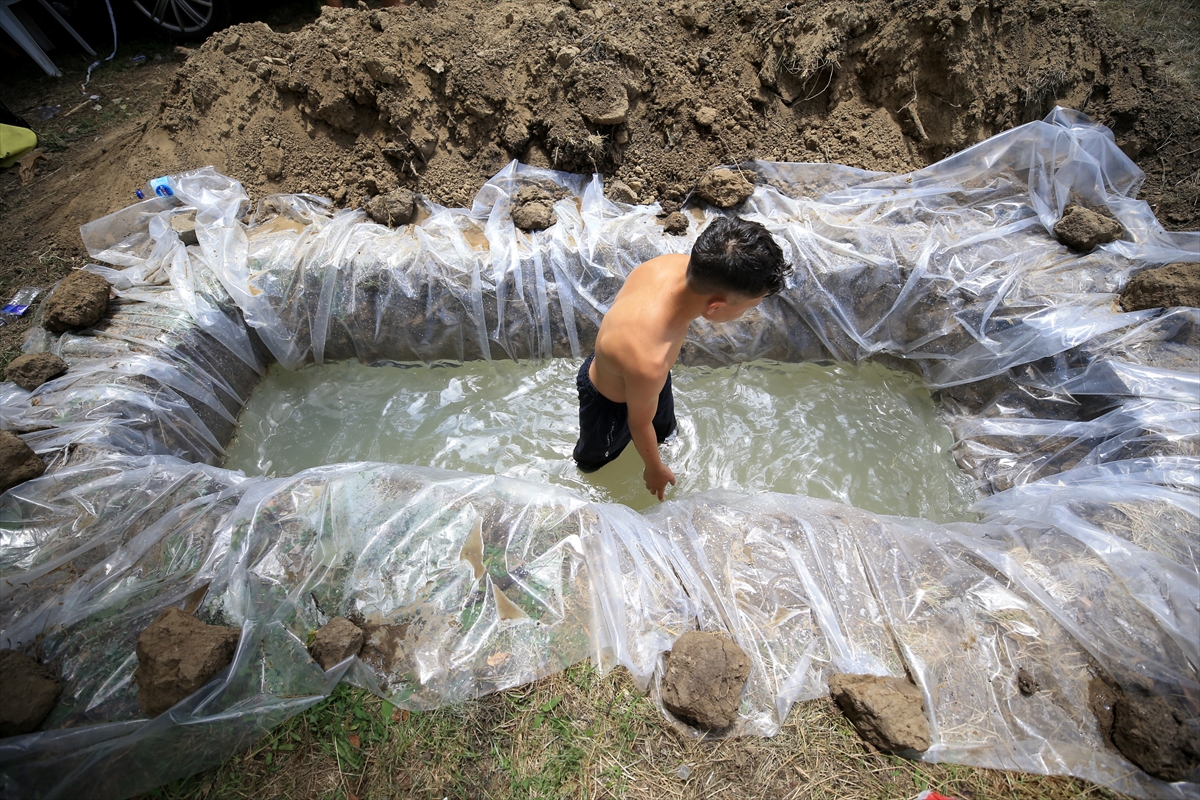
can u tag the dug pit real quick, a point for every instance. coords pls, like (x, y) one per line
(864, 435)
(294, 523)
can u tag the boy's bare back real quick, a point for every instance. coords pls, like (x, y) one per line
(640, 336)
(625, 387)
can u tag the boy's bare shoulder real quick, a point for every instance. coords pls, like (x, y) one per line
(665, 261)
(635, 341)
(648, 280)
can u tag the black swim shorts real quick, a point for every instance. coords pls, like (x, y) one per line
(604, 425)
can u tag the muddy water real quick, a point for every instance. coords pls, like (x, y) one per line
(863, 435)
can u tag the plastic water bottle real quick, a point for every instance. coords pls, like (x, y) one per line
(160, 187)
(20, 303)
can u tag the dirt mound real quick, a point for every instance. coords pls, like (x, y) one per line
(362, 102)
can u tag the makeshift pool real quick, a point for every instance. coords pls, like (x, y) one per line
(866, 436)
(1082, 421)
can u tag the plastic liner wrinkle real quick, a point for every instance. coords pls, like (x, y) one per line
(1080, 423)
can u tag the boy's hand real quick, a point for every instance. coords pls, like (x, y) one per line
(657, 478)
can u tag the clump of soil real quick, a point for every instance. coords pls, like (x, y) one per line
(600, 96)
(178, 654)
(79, 301)
(436, 100)
(675, 223)
(889, 713)
(18, 462)
(397, 207)
(620, 191)
(335, 642)
(703, 680)
(1153, 733)
(33, 369)
(1026, 683)
(1163, 287)
(724, 188)
(28, 692)
(533, 209)
(1083, 229)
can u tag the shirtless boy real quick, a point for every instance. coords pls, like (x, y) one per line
(625, 387)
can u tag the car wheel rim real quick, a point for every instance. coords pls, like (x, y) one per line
(178, 16)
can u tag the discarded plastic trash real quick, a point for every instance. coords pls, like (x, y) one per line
(46, 112)
(19, 304)
(136, 61)
(170, 185)
(158, 186)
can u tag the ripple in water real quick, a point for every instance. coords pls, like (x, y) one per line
(863, 435)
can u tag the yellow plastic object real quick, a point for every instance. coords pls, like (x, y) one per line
(14, 143)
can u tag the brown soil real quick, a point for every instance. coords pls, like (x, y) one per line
(675, 223)
(31, 371)
(177, 654)
(889, 713)
(703, 679)
(1026, 683)
(1159, 736)
(725, 188)
(79, 301)
(28, 692)
(533, 209)
(435, 99)
(1163, 287)
(1083, 229)
(397, 207)
(335, 642)
(18, 463)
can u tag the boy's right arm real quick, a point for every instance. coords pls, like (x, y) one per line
(641, 397)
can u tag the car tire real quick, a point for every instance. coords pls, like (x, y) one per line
(184, 19)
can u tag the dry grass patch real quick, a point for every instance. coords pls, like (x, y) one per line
(1170, 27)
(579, 735)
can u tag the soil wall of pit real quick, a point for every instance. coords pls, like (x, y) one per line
(439, 99)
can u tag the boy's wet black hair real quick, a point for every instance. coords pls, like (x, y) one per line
(738, 257)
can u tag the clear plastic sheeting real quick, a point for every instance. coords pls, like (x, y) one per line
(808, 587)
(1079, 420)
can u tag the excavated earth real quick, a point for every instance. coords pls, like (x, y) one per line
(434, 97)
(437, 99)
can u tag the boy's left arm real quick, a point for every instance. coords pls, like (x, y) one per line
(641, 398)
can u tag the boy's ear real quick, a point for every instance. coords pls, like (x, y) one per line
(715, 304)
